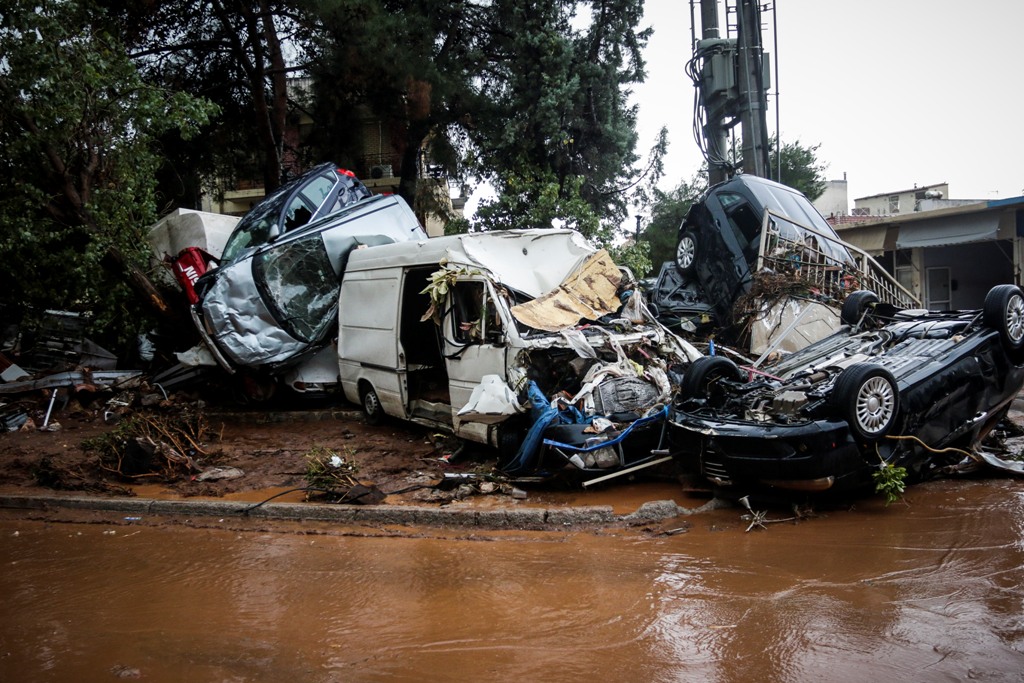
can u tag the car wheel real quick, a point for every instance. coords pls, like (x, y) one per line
(702, 376)
(866, 396)
(855, 305)
(373, 413)
(1004, 311)
(686, 253)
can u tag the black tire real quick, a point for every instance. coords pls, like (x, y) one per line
(867, 397)
(373, 413)
(686, 252)
(855, 305)
(1004, 311)
(700, 377)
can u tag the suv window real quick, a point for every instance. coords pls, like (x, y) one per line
(744, 221)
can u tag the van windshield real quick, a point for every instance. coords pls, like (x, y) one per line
(798, 209)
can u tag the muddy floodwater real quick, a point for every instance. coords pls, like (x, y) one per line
(930, 591)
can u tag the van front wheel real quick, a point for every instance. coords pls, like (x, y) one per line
(373, 413)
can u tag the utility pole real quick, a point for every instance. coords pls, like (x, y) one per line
(731, 78)
(753, 97)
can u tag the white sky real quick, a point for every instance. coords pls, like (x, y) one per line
(898, 93)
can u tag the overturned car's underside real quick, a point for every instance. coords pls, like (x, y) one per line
(912, 389)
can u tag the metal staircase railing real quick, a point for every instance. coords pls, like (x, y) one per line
(830, 266)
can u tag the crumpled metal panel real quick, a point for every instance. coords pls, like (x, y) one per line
(531, 262)
(241, 324)
(278, 301)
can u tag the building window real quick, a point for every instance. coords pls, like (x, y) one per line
(894, 204)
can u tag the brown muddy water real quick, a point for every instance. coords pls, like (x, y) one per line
(930, 591)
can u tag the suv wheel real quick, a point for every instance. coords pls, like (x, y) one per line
(686, 253)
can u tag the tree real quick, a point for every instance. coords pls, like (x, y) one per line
(667, 213)
(801, 169)
(409, 64)
(238, 55)
(557, 109)
(511, 92)
(77, 125)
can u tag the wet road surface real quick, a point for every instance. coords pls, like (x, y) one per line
(930, 591)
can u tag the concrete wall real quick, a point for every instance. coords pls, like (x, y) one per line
(834, 200)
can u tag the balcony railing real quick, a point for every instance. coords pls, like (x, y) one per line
(824, 263)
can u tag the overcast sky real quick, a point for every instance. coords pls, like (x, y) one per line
(898, 93)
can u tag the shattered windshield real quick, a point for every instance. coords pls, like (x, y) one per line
(300, 286)
(263, 223)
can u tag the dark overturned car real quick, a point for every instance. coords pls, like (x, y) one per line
(908, 388)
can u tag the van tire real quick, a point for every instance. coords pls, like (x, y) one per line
(373, 413)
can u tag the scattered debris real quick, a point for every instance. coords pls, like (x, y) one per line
(151, 445)
(332, 477)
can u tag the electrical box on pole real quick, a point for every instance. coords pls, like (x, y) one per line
(731, 75)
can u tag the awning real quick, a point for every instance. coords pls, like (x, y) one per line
(949, 230)
(869, 238)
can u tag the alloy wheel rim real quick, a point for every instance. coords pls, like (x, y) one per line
(1015, 318)
(685, 252)
(876, 402)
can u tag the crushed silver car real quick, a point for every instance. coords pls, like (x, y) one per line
(275, 303)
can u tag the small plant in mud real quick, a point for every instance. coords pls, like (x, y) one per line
(332, 477)
(890, 480)
(151, 445)
(329, 471)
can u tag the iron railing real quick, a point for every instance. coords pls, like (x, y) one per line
(827, 264)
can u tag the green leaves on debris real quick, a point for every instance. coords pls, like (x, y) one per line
(890, 480)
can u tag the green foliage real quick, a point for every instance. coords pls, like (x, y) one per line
(633, 255)
(800, 167)
(78, 127)
(556, 110)
(667, 213)
(540, 202)
(521, 93)
(890, 480)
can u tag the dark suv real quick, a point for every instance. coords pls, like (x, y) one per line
(721, 236)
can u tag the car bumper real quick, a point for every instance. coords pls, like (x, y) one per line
(813, 456)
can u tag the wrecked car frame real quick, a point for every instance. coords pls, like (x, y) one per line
(746, 226)
(465, 332)
(276, 303)
(906, 388)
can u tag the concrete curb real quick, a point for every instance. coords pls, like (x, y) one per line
(532, 519)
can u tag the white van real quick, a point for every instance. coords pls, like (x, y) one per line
(496, 337)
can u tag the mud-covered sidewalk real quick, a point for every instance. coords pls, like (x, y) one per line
(258, 461)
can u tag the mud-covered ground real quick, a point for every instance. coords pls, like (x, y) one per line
(225, 451)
